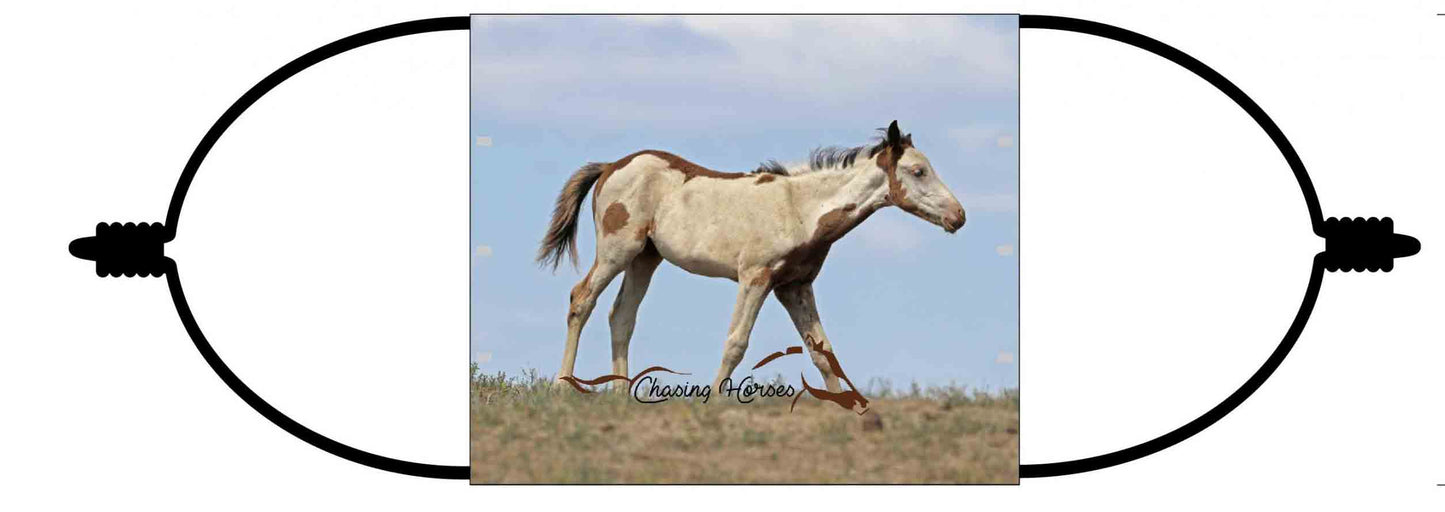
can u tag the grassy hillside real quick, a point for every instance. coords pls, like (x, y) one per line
(523, 430)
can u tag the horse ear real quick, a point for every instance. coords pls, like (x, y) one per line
(895, 137)
(908, 141)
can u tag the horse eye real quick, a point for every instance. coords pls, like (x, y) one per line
(919, 172)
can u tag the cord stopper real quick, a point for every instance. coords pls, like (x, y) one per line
(1361, 244)
(128, 249)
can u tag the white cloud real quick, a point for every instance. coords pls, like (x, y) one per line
(1005, 250)
(1004, 358)
(484, 251)
(658, 67)
(797, 47)
(982, 136)
(483, 141)
(483, 357)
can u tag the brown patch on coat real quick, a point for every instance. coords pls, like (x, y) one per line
(691, 170)
(834, 224)
(764, 178)
(614, 218)
(888, 161)
(688, 169)
(802, 263)
(763, 277)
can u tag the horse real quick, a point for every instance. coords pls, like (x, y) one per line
(769, 230)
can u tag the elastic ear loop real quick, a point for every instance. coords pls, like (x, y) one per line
(137, 249)
(1357, 244)
(173, 279)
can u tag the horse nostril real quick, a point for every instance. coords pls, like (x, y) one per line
(957, 218)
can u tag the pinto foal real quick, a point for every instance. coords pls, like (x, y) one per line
(768, 230)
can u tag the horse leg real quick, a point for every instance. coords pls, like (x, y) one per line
(752, 289)
(623, 316)
(584, 297)
(798, 299)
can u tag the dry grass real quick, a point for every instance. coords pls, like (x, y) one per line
(525, 431)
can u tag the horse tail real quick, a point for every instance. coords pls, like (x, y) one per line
(562, 233)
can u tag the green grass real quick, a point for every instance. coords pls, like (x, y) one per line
(525, 430)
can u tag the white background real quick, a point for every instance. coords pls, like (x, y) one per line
(1165, 248)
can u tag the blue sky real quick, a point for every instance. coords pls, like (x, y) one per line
(900, 299)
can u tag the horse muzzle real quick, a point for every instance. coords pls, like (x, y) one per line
(953, 221)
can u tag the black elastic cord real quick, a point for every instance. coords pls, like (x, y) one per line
(332, 49)
(462, 23)
(174, 281)
(1316, 273)
(312, 437)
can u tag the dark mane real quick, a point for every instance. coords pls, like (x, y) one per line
(835, 157)
(771, 167)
